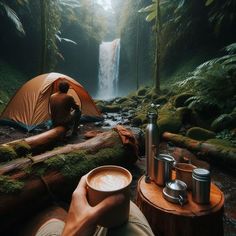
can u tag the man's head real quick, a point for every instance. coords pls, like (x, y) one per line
(64, 86)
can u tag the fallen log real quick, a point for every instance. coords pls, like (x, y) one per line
(34, 144)
(208, 151)
(57, 172)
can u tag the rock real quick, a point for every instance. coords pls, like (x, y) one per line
(181, 98)
(111, 108)
(137, 121)
(160, 100)
(222, 122)
(142, 92)
(185, 115)
(204, 109)
(200, 134)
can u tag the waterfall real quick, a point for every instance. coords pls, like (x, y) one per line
(108, 75)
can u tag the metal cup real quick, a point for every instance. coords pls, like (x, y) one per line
(163, 165)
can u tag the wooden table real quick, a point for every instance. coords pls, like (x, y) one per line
(169, 219)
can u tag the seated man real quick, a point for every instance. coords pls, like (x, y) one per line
(81, 219)
(64, 110)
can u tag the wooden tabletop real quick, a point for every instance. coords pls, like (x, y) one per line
(170, 219)
(153, 194)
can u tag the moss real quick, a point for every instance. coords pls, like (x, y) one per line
(200, 134)
(76, 164)
(21, 148)
(139, 120)
(225, 144)
(142, 91)
(8, 185)
(7, 153)
(169, 120)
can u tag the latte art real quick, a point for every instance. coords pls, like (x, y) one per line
(109, 180)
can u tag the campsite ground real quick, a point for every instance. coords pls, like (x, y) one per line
(223, 179)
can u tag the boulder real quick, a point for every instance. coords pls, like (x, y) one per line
(200, 134)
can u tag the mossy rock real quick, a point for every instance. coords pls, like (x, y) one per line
(21, 148)
(160, 100)
(109, 108)
(142, 91)
(139, 120)
(121, 100)
(206, 110)
(7, 153)
(181, 98)
(169, 121)
(222, 122)
(200, 134)
(185, 115)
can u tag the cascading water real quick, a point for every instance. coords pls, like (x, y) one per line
(108, 75)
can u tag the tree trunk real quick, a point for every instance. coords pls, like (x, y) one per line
(210, 152)
(158, 45)
(43, 37)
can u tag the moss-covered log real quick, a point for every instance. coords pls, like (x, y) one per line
(34, 144)
(213, 152)
(57, 172)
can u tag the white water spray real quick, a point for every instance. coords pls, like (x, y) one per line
(108, 75)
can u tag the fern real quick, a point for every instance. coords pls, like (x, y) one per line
(213, 82)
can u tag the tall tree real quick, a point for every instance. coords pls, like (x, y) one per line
(155, 13)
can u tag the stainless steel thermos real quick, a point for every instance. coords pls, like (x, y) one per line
(151, 144)
(201, 184)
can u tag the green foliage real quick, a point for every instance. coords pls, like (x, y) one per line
(11, 14)
(213, 82)
(228, 136)
(50, 23)
(11, 80)
(221, 14)
(10, 186)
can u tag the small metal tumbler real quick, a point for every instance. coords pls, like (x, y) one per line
(163, 165)
(201, 184)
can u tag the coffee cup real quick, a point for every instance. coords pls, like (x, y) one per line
(184, 172)
(106, 181)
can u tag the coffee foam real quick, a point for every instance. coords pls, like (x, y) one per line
(109, 180)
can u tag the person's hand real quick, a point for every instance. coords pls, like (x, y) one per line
(82, 218)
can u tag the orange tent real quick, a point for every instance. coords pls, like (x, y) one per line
(29, 107)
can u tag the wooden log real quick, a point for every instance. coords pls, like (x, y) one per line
(208, 151)
(104, 149)
(170, 219)
(34, 144)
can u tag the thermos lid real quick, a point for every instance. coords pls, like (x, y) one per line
(176, 185)
(201, 173)
(165, 157)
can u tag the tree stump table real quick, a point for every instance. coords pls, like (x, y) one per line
(191, 219)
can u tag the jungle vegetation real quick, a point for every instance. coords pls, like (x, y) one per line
(64, 35)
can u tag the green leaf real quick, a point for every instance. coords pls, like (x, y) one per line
(151, 16)
(149, 8)
(13, 17)
(209, 2)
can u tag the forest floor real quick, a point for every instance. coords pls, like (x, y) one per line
(225, 180)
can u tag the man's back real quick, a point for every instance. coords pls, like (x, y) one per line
(61, 105)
